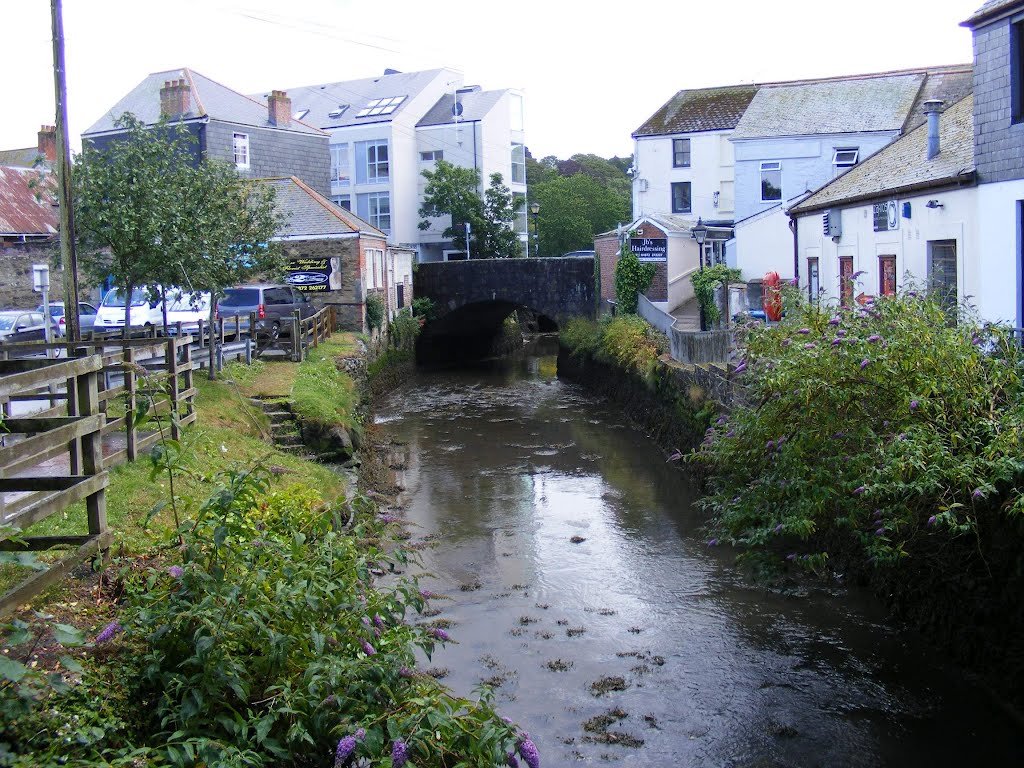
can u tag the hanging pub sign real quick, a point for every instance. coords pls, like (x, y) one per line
(886, 216)
(310, 275)
(649, 248)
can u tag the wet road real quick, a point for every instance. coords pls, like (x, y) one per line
(581, 588)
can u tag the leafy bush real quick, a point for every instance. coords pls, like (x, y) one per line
(581, 336)
(705, 282)
(375, 311)
(880, 429)
(627, 341)
(631, 279)
(424, 308)
(403, 331)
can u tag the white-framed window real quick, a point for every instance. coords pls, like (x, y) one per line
(680, 153)
(343, 201)
(518, 164)
(375, 207)
(240, 149)
(771, 181)
(372, 161)
(383, 106)
(340, 164)
(813, 280)
(845, 157)
(681, 199)
(432, 156)
(374, 268)
(519, 224)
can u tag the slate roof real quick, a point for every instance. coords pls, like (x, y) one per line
(21, 213)
(308, 213)
(21, 158)
(990, 10)
(947, 84)
(701, 109)
(842, 105)
(209, 99)
(903, 166)
(475, 106)
(356, 94)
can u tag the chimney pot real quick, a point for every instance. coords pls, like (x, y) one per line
(932, 109)
(47, 142)
(279, 109)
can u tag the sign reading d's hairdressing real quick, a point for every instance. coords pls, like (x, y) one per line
(650, 248)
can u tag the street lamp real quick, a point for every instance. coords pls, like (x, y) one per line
(535, 209)
(700, 234)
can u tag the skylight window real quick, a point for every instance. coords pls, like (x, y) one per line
(300, 114)
(383, 106)
(339, 111)
(846, 158)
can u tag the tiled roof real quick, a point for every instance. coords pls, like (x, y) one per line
(475, 105)
(209, 99)
(843, 105)
(321, 100)
(27, 202)
(991, 9)
(904, 165)
(308, 213)
(701, 109)
(21, 158)
(947, 84)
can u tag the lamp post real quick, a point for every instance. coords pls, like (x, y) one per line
(535, 209)
(700, 234)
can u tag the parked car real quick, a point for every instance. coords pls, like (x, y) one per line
(145, 310)
(273, 305)
(25, 325)
(573, 254)
(186, 308)
(86, 316)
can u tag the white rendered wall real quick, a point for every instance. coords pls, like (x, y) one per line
(764, 244)
(999, 248)
(710, 171)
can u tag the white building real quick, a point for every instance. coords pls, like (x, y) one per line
(907, 215)
(384, 131)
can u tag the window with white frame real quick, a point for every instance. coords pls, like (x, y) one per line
(518, 164)
(771, 181)
(340, 164)
(375, 207)
(519, 202)
(343, 201)
(240, 149)
(680, 153)
(374, 268)
(942, 283)
(432, 155)
(845, 157)
(813, 280)
(681, 197)
(372, 161)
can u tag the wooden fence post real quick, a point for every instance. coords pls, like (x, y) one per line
(296, 336)
(92, 448)
(131, 402)
(171, 362)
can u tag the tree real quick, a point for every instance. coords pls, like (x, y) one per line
(573, 209)
(632, 277)
(453, 191)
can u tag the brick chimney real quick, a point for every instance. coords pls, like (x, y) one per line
(175, 99)
(279, 107)
(48, 142)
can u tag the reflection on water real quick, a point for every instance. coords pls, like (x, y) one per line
(572, 556)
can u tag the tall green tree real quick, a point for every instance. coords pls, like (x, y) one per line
(453, 191)
(573, 209)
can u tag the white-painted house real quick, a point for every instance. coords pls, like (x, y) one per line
(384, 131)
(906, 215)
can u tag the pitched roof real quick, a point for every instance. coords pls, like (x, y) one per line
(208, 99)
(27, 202)
(350, 96)
(22, 158)
(308, 213)
(842, 105)
(947, 84)
(475, 105)
(701, 109)
(904, 166)
(990, 10)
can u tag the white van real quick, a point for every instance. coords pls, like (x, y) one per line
(144, 311)
(186, 308)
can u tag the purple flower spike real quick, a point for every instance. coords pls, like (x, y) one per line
(977, 494)
(914, 405)
(810, 345)
(720, 420)
(361, 734)
(405, 672)
(837, 341)
(440, 634)
(857, 274)
(931, 520)
(741, 367)
(841, 332)
(880, 532)
(176, 571)
(426, 594)
(859, 490)
(366, 621)
(399, 753)
(791, 556)
(730, 433)
(975, 340)
(864, 363)
(529, 753)
(794, 282)
(368, 649)
(874, 338)
(778, 528)
(713, 542)
(346, 746)
(834, 321)
(786, 342)
(804, 331)
(770, 445)
(108, 632)
(510, 760)
(378, 621)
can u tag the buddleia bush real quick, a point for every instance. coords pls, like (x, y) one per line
(883, 429)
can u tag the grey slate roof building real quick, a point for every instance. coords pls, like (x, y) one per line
(988, 11)
(903, 166)
(473, 105)
(308, 214)
(701, 109)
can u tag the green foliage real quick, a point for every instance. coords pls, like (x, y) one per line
(452, 190)
(631, 279)
(375, 312)
(881, 430)
(626, 341)
(424, 308)
(323, 394)
(403, 330)
(704, 284)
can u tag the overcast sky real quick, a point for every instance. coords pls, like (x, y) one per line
(591, 72)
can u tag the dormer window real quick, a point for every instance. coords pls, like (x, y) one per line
(383, 106)
(846, 157)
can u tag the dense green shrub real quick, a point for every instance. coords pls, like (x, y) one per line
(403, 330)
(705, 281)
(424, 308)
(375, 311)
(631, 279)
(627, 341)
(881, 429)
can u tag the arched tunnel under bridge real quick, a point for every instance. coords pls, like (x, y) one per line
(472, 299)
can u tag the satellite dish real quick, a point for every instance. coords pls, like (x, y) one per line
(456, 109)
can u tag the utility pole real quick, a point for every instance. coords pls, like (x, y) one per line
(68, 256)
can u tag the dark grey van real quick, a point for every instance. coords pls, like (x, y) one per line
(273, 305)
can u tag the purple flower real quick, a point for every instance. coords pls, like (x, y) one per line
(834, 321)
(387, 518)
(914, 405)
(360, 734)
(931, 520)
(368, 649)
(794, 282)
(712, 542)
(841, 332)
(176, 571)
(399, 753)
(510, 760)
(529, 753)
(778, 528)
(837, 341)
(859, 490)
(878, 513)
(975, 340)
(791, 556)
(880, 532)
(770, 445)
(405, 672)
(810, 345)
(426, 594)
(108, 632)
(366, 621)
(440, 634)
(864, 363)
(378, 620)
(730, 433)
(346, 746)
(720, 420)
(786, 342)
(977, 494)
(873, 338)
(857, 274)
(804, 331)
(741, 367)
